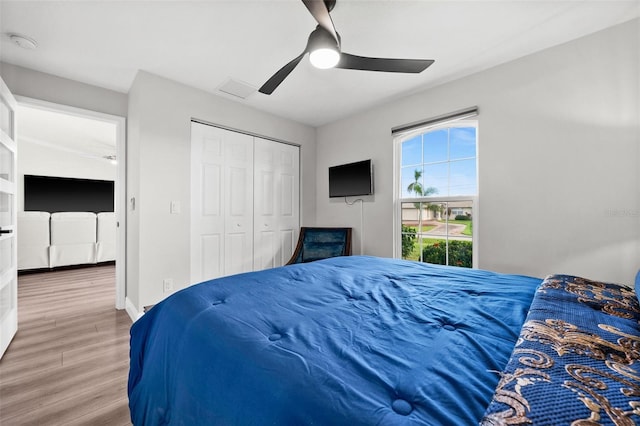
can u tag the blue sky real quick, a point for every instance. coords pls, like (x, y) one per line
(447, 159)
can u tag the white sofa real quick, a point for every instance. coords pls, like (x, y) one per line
(67, 238)
(73, 238)
(33, 240)
(106, 242)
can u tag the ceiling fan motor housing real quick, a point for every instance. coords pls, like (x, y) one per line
(321, 39)
(330, 4)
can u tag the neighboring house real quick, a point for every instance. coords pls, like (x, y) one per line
(411, 216)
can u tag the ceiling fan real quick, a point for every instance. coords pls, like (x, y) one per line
(324, 51)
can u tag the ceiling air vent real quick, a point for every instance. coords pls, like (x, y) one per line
(237, 88)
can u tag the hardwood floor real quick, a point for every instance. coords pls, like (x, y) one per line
(69, 362)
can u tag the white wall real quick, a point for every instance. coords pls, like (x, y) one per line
(158, 157)
(35, 159)
(46, 87)
(559, 154)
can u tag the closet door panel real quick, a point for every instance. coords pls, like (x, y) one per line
(288, 241)
(288, 196)
(221, 205)
(276, 208)
(237, 259)
(239, 204)
(212, 254)
(265, 239)
(289, 206)
(207, 199)
(211, 190)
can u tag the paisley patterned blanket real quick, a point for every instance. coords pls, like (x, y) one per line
(576, 361)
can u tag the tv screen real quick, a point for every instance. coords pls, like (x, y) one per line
(59, 194)
(347, 180)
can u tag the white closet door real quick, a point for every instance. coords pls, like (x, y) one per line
(238, 187)
(221, 202)
(276, 202)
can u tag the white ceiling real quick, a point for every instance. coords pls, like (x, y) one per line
(204, 43)
(76, 135)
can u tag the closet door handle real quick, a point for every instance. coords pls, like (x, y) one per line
(6, 231)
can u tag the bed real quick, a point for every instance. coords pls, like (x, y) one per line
(359, 340)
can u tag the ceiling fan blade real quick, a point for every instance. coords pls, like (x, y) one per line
(279, 76)
(354, 62)
(320, 13)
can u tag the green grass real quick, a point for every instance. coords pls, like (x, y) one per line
(468, 230)
(425, 228)
(469, 226)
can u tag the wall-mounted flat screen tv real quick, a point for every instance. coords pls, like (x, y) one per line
(60, 194)
(347, 180)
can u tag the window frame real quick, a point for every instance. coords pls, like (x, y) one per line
(397, 182)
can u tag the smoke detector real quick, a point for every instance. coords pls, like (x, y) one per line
(23, 41)
(112, 159)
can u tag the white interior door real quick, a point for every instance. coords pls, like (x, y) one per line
(276, 202)
(8, 213)
(221, 202)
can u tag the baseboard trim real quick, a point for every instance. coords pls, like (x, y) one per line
(133, 312)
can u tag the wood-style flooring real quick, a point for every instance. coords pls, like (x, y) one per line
(69, 362)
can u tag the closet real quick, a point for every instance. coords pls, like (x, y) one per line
(245, 202)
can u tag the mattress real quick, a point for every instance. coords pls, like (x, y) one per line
(352, 340)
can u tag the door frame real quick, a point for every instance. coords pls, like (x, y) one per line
(121, 180)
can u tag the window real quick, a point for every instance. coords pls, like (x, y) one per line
(437, 177)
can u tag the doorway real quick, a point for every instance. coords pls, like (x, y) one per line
(59, 140)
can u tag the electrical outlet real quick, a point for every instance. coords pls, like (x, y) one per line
(167, 285)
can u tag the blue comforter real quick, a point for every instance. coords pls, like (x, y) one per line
(345, 341)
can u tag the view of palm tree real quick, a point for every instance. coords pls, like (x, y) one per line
(416, 188)
(438, 165)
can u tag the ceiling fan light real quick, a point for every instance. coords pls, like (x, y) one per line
(324, 58)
